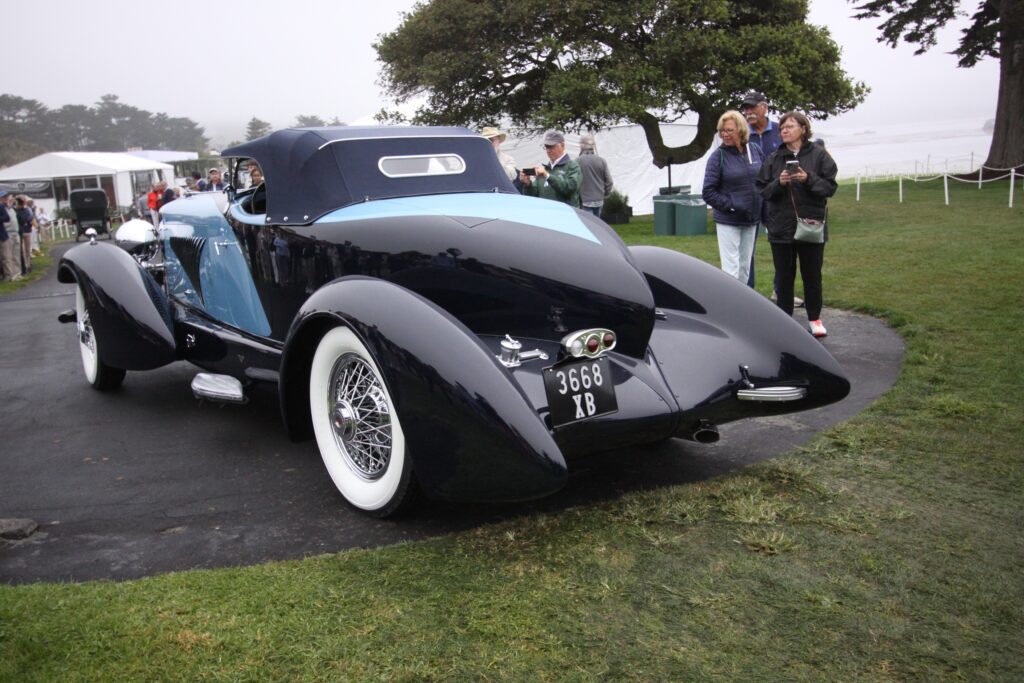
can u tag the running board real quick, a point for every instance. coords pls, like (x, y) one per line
(772, 394)
(219, 388)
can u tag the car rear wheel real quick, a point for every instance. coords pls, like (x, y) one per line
(100, 375)
(357, 429)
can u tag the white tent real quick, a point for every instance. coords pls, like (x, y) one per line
(48, 178)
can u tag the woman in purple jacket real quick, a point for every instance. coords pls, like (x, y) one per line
(729, 190)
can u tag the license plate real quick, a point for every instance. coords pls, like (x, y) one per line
(579, 390)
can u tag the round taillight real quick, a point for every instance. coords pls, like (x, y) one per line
(608, 340)
(593, 344)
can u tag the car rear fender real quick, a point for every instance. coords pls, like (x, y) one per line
(470, 430)
(129, 311)
(710, 325)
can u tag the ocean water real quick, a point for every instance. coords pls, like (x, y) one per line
(929, 148)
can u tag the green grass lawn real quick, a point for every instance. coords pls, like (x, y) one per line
(890, 548)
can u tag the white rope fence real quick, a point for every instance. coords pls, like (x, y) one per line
(1012, 175)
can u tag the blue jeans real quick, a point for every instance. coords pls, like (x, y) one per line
(596, 210)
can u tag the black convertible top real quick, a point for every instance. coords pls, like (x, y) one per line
(311, 171)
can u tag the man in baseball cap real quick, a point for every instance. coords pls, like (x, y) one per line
(559, 179)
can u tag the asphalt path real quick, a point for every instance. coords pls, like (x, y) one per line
(147, 479)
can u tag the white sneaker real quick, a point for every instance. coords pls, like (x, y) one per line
(817, 329)
(798, 302)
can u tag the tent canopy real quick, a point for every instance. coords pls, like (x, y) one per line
(65, 164)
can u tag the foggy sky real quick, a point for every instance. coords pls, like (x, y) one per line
(221, 63)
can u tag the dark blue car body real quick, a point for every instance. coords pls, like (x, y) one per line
(403, 257)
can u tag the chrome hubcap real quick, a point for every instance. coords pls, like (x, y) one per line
(360, 417)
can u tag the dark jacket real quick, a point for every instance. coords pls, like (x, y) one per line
(25, 219)
(4, 218)
(562, 184)
(729, 185)
(810, 197)
(768, 141)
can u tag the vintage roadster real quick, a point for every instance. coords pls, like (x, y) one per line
(429, 327)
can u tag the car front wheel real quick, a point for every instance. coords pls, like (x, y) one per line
(100, 375)
(356, 426)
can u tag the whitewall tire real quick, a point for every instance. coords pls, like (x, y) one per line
(99, 375)
(356, 426)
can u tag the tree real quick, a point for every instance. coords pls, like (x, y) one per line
(578, 64)
(256, 129)
(996, 30)
(71, 127)
(309, 122)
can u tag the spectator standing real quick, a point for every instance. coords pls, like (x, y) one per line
(729, 189)
(9, 269)
(213, 182)
(35, 249)
(497, 137)
(153, 203)
(804, 192)
(765, 134)
(42, 223)
(192, 182)
(597, 179)
(167, 194)
(559, 179)
(26, 221)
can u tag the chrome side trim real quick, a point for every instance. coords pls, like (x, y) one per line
(772, 394)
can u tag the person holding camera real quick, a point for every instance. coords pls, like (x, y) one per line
(729, 189)
(796, 180)
(560, 179)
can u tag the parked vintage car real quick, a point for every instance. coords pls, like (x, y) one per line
(428, 326)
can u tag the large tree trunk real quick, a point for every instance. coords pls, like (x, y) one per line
(1008, 136)
(707, 124)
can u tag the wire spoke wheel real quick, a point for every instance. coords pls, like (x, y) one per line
(361, 417)
(357, 429)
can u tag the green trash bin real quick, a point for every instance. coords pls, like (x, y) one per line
(664, 214)
(691, 215)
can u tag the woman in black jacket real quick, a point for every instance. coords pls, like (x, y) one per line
(796, 180)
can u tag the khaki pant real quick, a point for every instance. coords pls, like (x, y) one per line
(9, 264)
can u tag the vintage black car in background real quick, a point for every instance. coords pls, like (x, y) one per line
(428, 326)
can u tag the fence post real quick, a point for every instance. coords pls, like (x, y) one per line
(901, 189)
(945, 183)
(980, 169)
(1013, 175)
(858, 187)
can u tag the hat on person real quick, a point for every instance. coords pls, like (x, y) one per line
(753, 97)
(588, 142)
(214, 169)
(3, 193)
(553, 137)
(492, 132)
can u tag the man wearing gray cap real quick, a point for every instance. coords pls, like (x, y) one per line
(597, 179)
(559, 179)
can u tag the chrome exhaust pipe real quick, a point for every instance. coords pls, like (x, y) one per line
(703, 432)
